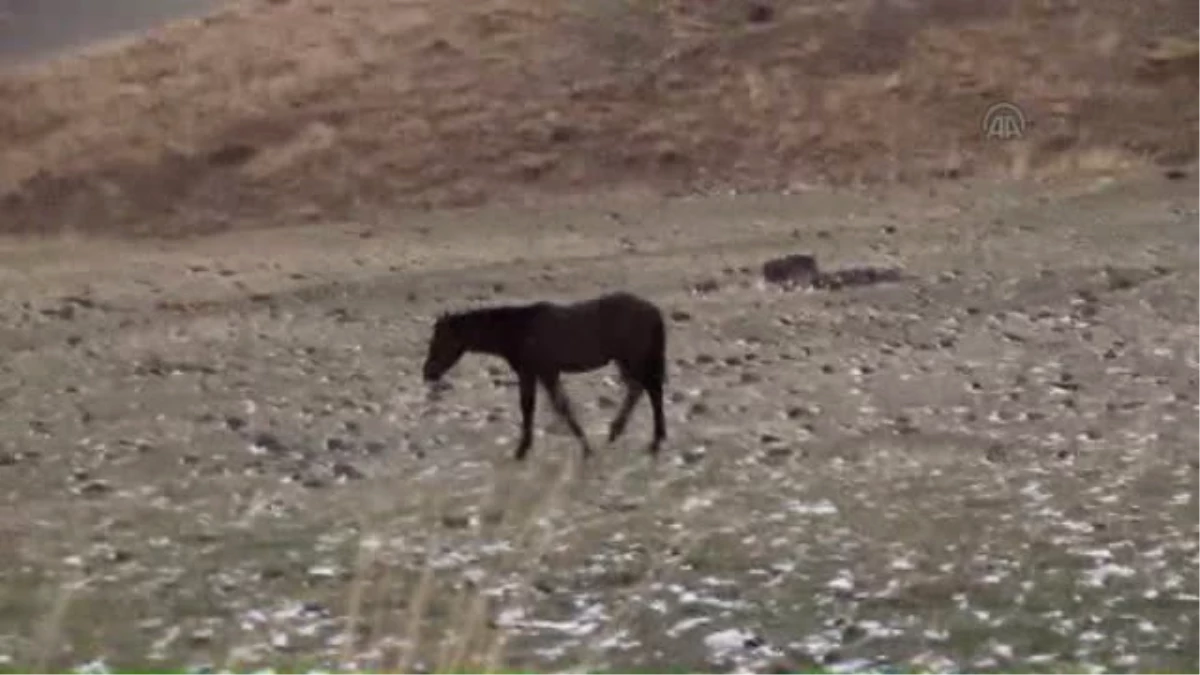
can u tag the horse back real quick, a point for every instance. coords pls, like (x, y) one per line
(631, 326)
(585, 335)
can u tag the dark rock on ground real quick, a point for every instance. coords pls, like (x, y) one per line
(797, 269)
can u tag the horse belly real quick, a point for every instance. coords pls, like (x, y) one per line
(587, 357)
(579, 351)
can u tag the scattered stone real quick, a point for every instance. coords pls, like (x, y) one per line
(64, 312)
(852, 633)
(760, 12)
(118, 556)
(201, 637)
(342, 315)
(323, 572)
(95, 488)
(347, 471)
(857, 276)
(456, 521)
(904, 425)
(798, 411)
(1066, 382)
(272, 573)
(141, 447)
(777, 453)
(269, 442)
(620, 505)
(335, 444)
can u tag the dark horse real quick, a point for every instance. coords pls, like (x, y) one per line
(542, 340)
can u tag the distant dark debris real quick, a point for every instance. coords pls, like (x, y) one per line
(95, 488)
(347, 471)
(801, 270)
(759, 12)
(797, 269)
(706, 286)
(858, 276)
(232, 154)
(269, 442)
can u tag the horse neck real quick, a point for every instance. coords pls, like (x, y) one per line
(496, 330)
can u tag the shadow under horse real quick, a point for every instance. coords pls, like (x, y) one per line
(542, 340)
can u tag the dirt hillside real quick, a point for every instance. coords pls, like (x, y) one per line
(279, 111)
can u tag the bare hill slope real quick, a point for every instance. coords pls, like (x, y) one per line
(276, 111)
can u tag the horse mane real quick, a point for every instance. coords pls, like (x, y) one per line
(490, 312)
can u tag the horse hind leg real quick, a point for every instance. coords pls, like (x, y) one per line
(633, 393)
(654, 378)
(655, 392)
(528, 396)
(562, 405)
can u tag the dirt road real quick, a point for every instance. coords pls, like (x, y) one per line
(220, 452)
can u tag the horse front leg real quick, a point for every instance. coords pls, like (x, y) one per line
(562, 405)
(528, 388)
(633, 393)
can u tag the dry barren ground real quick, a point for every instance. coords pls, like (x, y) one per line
(219, 453)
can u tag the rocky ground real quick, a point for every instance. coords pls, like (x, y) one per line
(219, 453)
